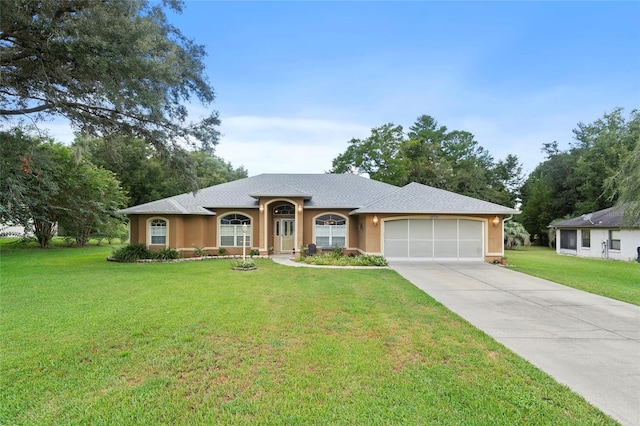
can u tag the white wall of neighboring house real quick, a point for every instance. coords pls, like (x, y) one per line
(12, 231)
(629, 243)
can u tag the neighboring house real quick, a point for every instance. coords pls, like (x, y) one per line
(601, 234)
(13, 231)
(284, 212)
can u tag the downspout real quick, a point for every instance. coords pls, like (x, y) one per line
(503, 222)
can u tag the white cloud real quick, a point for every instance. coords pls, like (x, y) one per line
(285, 145)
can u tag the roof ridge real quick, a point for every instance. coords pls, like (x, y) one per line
(384, 196)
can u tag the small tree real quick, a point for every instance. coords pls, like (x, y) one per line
(515, 235)
(43, 183)
(90, 198)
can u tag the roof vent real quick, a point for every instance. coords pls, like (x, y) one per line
(588, 217)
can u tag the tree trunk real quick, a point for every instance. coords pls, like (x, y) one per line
(43, 230)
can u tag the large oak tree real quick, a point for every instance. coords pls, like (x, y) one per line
(111, 67)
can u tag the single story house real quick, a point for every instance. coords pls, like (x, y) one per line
(602, 234)
(281, 213)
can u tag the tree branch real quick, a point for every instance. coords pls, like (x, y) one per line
(38, 108)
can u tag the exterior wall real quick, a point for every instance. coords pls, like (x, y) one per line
(183, 232)
(629, 243)
(363, 235)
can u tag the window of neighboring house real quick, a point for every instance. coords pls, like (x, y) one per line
(614, 240)
(331, 231)
(158, 231)
(568, 239)
(586, 238)
(231, 230)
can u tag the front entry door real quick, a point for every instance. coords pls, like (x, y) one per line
(285, 234)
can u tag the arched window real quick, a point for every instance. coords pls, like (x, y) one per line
(231, 229)
(331, 231)
(158, 231)
(284, 209)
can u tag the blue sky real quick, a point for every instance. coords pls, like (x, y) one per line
(295, 81)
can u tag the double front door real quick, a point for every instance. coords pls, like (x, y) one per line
(284, 238)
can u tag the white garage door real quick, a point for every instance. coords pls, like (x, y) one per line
(434, 239)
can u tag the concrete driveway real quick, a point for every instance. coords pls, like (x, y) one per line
(587, 342)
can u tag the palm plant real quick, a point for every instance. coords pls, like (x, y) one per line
(515, 235)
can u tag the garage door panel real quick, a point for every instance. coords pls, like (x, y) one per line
(421, 229)
(470, 229)
(445, 229)
(470, 249)
(422, 248)
(396, 248)
(396, 229)
(446, 250)
(435, 239)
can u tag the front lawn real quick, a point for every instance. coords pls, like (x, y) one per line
(616, 279)
(85, 341)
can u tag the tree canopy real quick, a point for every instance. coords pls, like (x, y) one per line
(625, 184)
(143, 174)
(114, 67)
(431, 154)
(600, 168)
(43, 183)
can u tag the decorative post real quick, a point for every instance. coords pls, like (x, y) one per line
(244, 241)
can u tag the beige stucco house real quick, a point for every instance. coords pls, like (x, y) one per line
(280, 213)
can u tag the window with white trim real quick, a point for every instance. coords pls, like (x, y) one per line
(614, 240)
(586, 238)
(331, 231)
(158, 231)
(231, 230)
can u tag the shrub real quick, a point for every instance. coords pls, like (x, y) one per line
(222, 251)
(243, 264)
(131, 253)
(332, 259)
(166, 254)
(254, 252)
(199, 251)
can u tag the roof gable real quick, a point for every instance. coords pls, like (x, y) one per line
(282, 191)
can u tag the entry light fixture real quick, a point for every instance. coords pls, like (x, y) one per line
(261, 207)
(496, 221)
(300, 208)
(375, 220)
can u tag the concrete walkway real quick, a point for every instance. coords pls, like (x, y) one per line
(587, 342)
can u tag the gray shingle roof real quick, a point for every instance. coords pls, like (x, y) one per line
(327, 191)
(612, 217)
(418, 198)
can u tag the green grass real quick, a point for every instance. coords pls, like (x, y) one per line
(615, 279)
(85, 341)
